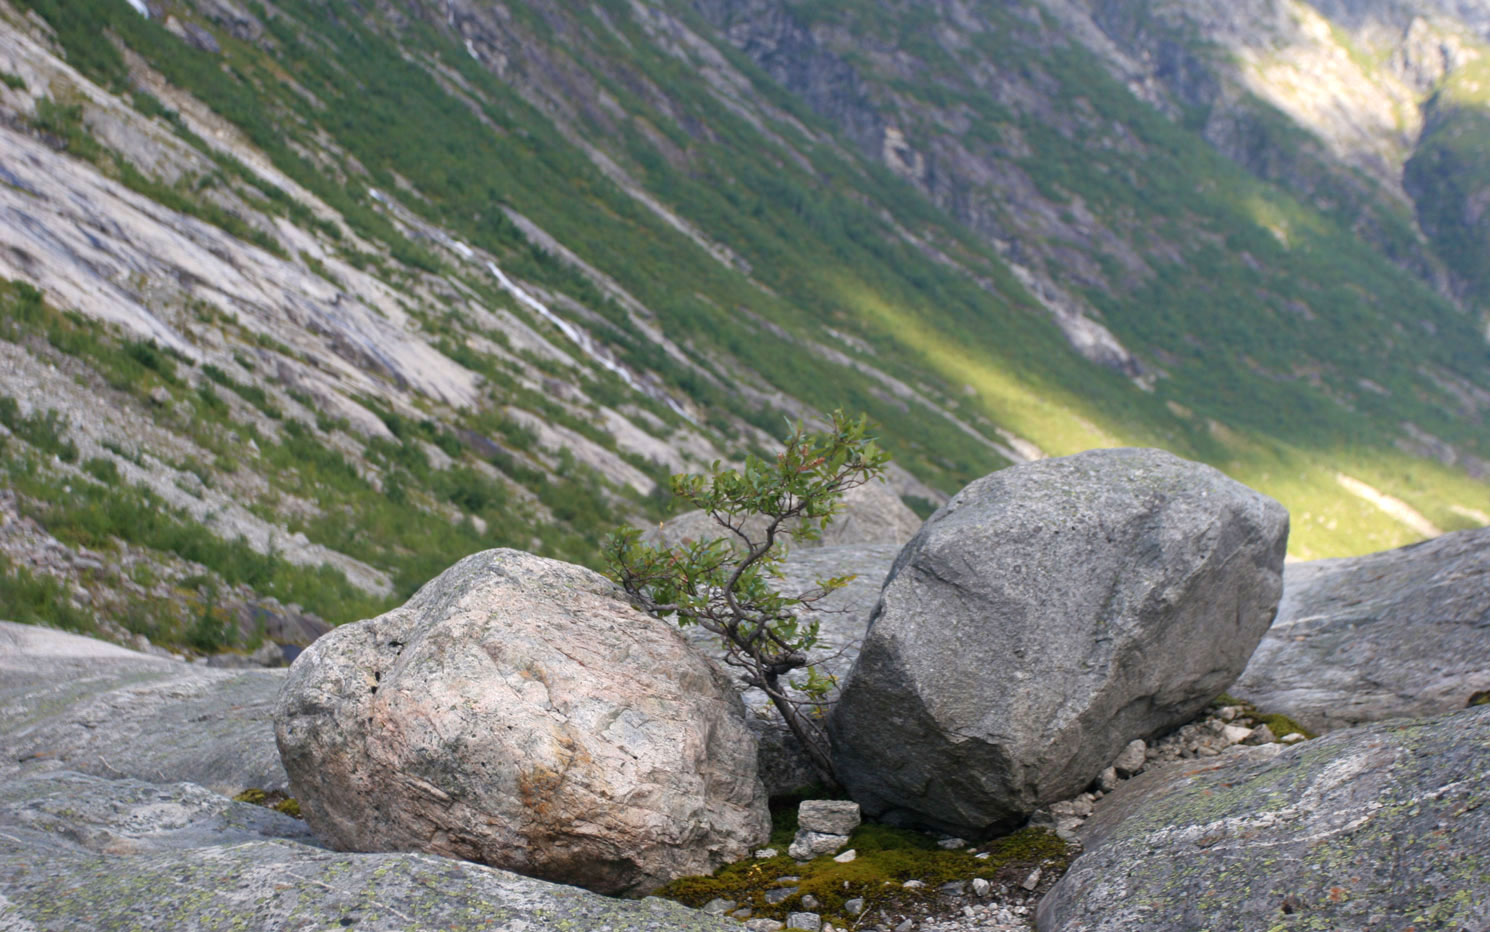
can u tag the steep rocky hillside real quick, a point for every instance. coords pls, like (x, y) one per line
(308, 299)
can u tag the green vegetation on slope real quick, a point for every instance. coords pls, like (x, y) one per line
(1269, 321)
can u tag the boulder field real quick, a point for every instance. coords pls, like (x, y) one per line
(1044, 618)
(517, 710)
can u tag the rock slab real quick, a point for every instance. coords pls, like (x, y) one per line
(80, 852)
(1394, 634)
(69, 702)
(1384, 826)
(520, 713)
(1043, 619)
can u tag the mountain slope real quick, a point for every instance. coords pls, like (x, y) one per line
(370, 287)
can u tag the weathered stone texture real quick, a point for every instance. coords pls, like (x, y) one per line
(1392, 634)
(1044, 618)
(1385, 826)
(520, 713)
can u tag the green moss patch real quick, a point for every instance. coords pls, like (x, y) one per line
(1280, 725)
(887, 859)
(271, 799)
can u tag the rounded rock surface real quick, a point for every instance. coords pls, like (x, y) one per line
(519, 712)
(1046, 616)
(1387, 635)
(1384, 826)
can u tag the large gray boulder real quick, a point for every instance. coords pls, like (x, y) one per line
(76, 703)
(83, 853)
(519, 712)
(1385, 826)
(1043, 619)
(1388, 635)
(872, 513)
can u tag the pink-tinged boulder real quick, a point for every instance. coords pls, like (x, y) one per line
(520, 713)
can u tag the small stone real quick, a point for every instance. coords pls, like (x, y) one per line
(1080, 807)
(773, 897)
(913, 885)
(810, 902)
(1262, 735)
(788, 880)
(1133, 758)
(718, 906)
(764, 853)
(763, 925)
(906, 926)
(951, 844)
(828, 816)
(810, 921)
(969, 912)
(828, 927)
(982, 856)
(1293, 737)
(811, 844)
(745, 913)
(1234, 734)
(981, 886)
(846, 857)
(1228, 713)
(1032, 879)
(855, 906)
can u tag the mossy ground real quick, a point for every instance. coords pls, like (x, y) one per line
(271, 799)
(887, 858)
(1280, 725)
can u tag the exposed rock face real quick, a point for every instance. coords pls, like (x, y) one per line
(519, 712)
(873, 514)
(80, 852)
(1043, 619)
(1394, 634)
(1385, 826)
(74, 703)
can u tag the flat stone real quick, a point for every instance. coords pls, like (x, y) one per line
(1382, 826)
(828, 816)
(846, 856)
(69, 702)
(83, 852)
(854, 906)
(1397, 633)
(1234, 734)
(808, 921)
